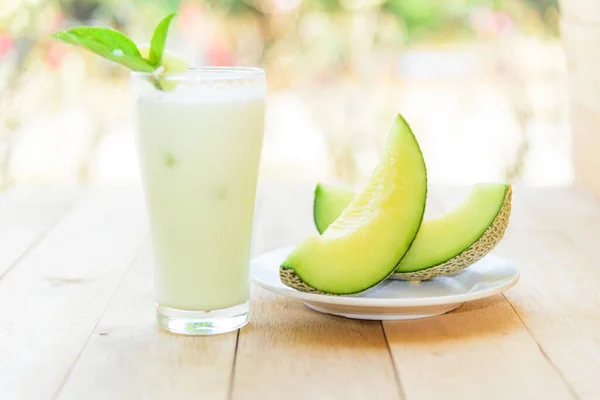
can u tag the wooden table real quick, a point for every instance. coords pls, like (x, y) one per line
(77, 313)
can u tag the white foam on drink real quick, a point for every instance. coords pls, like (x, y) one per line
(205, 92)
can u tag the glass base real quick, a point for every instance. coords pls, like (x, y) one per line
(187, 322)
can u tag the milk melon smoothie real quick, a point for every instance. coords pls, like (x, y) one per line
(199, 148)
(199, 139)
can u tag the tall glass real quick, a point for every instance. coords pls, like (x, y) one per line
(199, 145)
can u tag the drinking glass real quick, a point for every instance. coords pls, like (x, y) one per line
(199, 137)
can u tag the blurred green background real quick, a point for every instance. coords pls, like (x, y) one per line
(482, 82)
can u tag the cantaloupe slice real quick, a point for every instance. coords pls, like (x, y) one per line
(364, 245)
(443, 245)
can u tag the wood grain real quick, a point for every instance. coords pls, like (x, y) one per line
(561, 209)
(76, 317)
(284, 215)
(26, 215)
(550, 305)
(129, 357)
(558, 297)
(52, 300)
(291, 352)
(482, 350)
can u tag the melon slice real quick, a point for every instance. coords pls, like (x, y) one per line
(330, 201)
(365, 244)
(173, 64)
(443, 245)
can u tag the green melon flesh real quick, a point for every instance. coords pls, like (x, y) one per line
(443, 245)
(363, 246)
(330, 201)
(173, 64)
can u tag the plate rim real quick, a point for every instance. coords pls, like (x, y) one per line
(379, 302)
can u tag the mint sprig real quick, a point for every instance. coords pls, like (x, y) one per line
(115, 46)
(109, 44)
(159, 38)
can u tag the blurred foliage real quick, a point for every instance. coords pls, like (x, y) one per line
(302, 43)
(421, 18)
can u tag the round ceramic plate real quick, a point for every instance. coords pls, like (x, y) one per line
(393, 300)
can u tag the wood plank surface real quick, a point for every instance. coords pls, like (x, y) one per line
(558, 297)
(26, 215)
(129, 357)
(291, 352)
(480, 351)
(78, 318)
(52, 300)
(549, 302)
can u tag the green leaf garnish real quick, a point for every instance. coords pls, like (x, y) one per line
(159, 38)
(115, 46)
(109, 44)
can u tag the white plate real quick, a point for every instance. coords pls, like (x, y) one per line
(392, 299)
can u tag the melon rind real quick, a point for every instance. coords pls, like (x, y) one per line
(289, 278)
(486, 243)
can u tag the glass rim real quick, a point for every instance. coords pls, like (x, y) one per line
(209, 73)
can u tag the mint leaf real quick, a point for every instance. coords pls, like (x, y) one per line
(159, 38)
(109, 44)
(116, 47)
